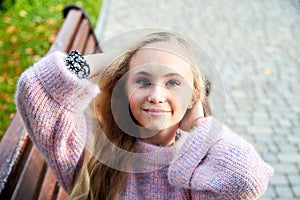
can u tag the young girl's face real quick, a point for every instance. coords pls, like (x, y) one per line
(159, 87)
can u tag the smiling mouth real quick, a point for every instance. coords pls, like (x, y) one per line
(156, 112)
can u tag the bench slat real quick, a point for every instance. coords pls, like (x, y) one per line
(65, 37)
(13, 145)
(62, 195)
(48, 186)
(81, 36)
(91, 45)
(30, 179)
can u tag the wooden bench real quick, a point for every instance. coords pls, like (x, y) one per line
(24, 173)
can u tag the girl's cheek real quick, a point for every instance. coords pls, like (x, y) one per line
(183, 99)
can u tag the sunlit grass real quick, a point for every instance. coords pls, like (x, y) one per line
(27, 30)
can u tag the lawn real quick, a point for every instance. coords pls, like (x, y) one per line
(27, 30)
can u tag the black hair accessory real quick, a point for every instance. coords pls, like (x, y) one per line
(77, 64)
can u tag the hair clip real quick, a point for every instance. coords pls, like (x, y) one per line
(77, 64)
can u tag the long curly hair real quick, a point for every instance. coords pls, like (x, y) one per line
(97, 180)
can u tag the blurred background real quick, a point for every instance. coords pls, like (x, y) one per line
(27, 30)
(255, 46)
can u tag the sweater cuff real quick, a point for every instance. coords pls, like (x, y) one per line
(194, 149)
(63, 86)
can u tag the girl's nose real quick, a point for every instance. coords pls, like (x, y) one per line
(157, 94)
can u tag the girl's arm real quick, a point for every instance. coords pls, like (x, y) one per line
(51, 102)
(215, 163)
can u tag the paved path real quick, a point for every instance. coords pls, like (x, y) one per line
(256, 46)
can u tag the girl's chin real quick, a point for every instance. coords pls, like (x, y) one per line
(158, 126)
(154, 128)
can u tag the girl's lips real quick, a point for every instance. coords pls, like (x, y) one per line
(156, 112)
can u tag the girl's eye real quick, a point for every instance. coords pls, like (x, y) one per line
(172, 83)
(144, 82)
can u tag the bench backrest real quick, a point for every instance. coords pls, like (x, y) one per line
(24, 173)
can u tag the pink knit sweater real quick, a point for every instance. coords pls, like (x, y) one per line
(210, 162)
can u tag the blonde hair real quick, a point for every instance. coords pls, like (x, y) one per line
(96, 180)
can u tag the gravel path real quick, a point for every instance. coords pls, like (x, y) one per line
(256, 47)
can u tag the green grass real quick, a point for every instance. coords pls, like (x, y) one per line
(27, 30)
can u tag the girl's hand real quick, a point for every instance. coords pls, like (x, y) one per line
(98, 62)
(192, 117)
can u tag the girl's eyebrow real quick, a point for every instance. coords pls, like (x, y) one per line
(143, 73)
(174, 74)
(167, 75)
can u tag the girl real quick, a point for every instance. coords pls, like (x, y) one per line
(149, 137)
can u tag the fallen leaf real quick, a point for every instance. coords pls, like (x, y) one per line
(14, 40)
(11, 115)
(51, 38)
(36, 58)
(11, 29)
(22, 13)
(51, 21)
(29, 51)
(7, 19)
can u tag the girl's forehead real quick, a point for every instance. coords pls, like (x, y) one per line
(154, 59)
(172, 46)
(162, 53)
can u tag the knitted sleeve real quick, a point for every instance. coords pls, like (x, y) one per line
(215, 163)
(51, 102)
